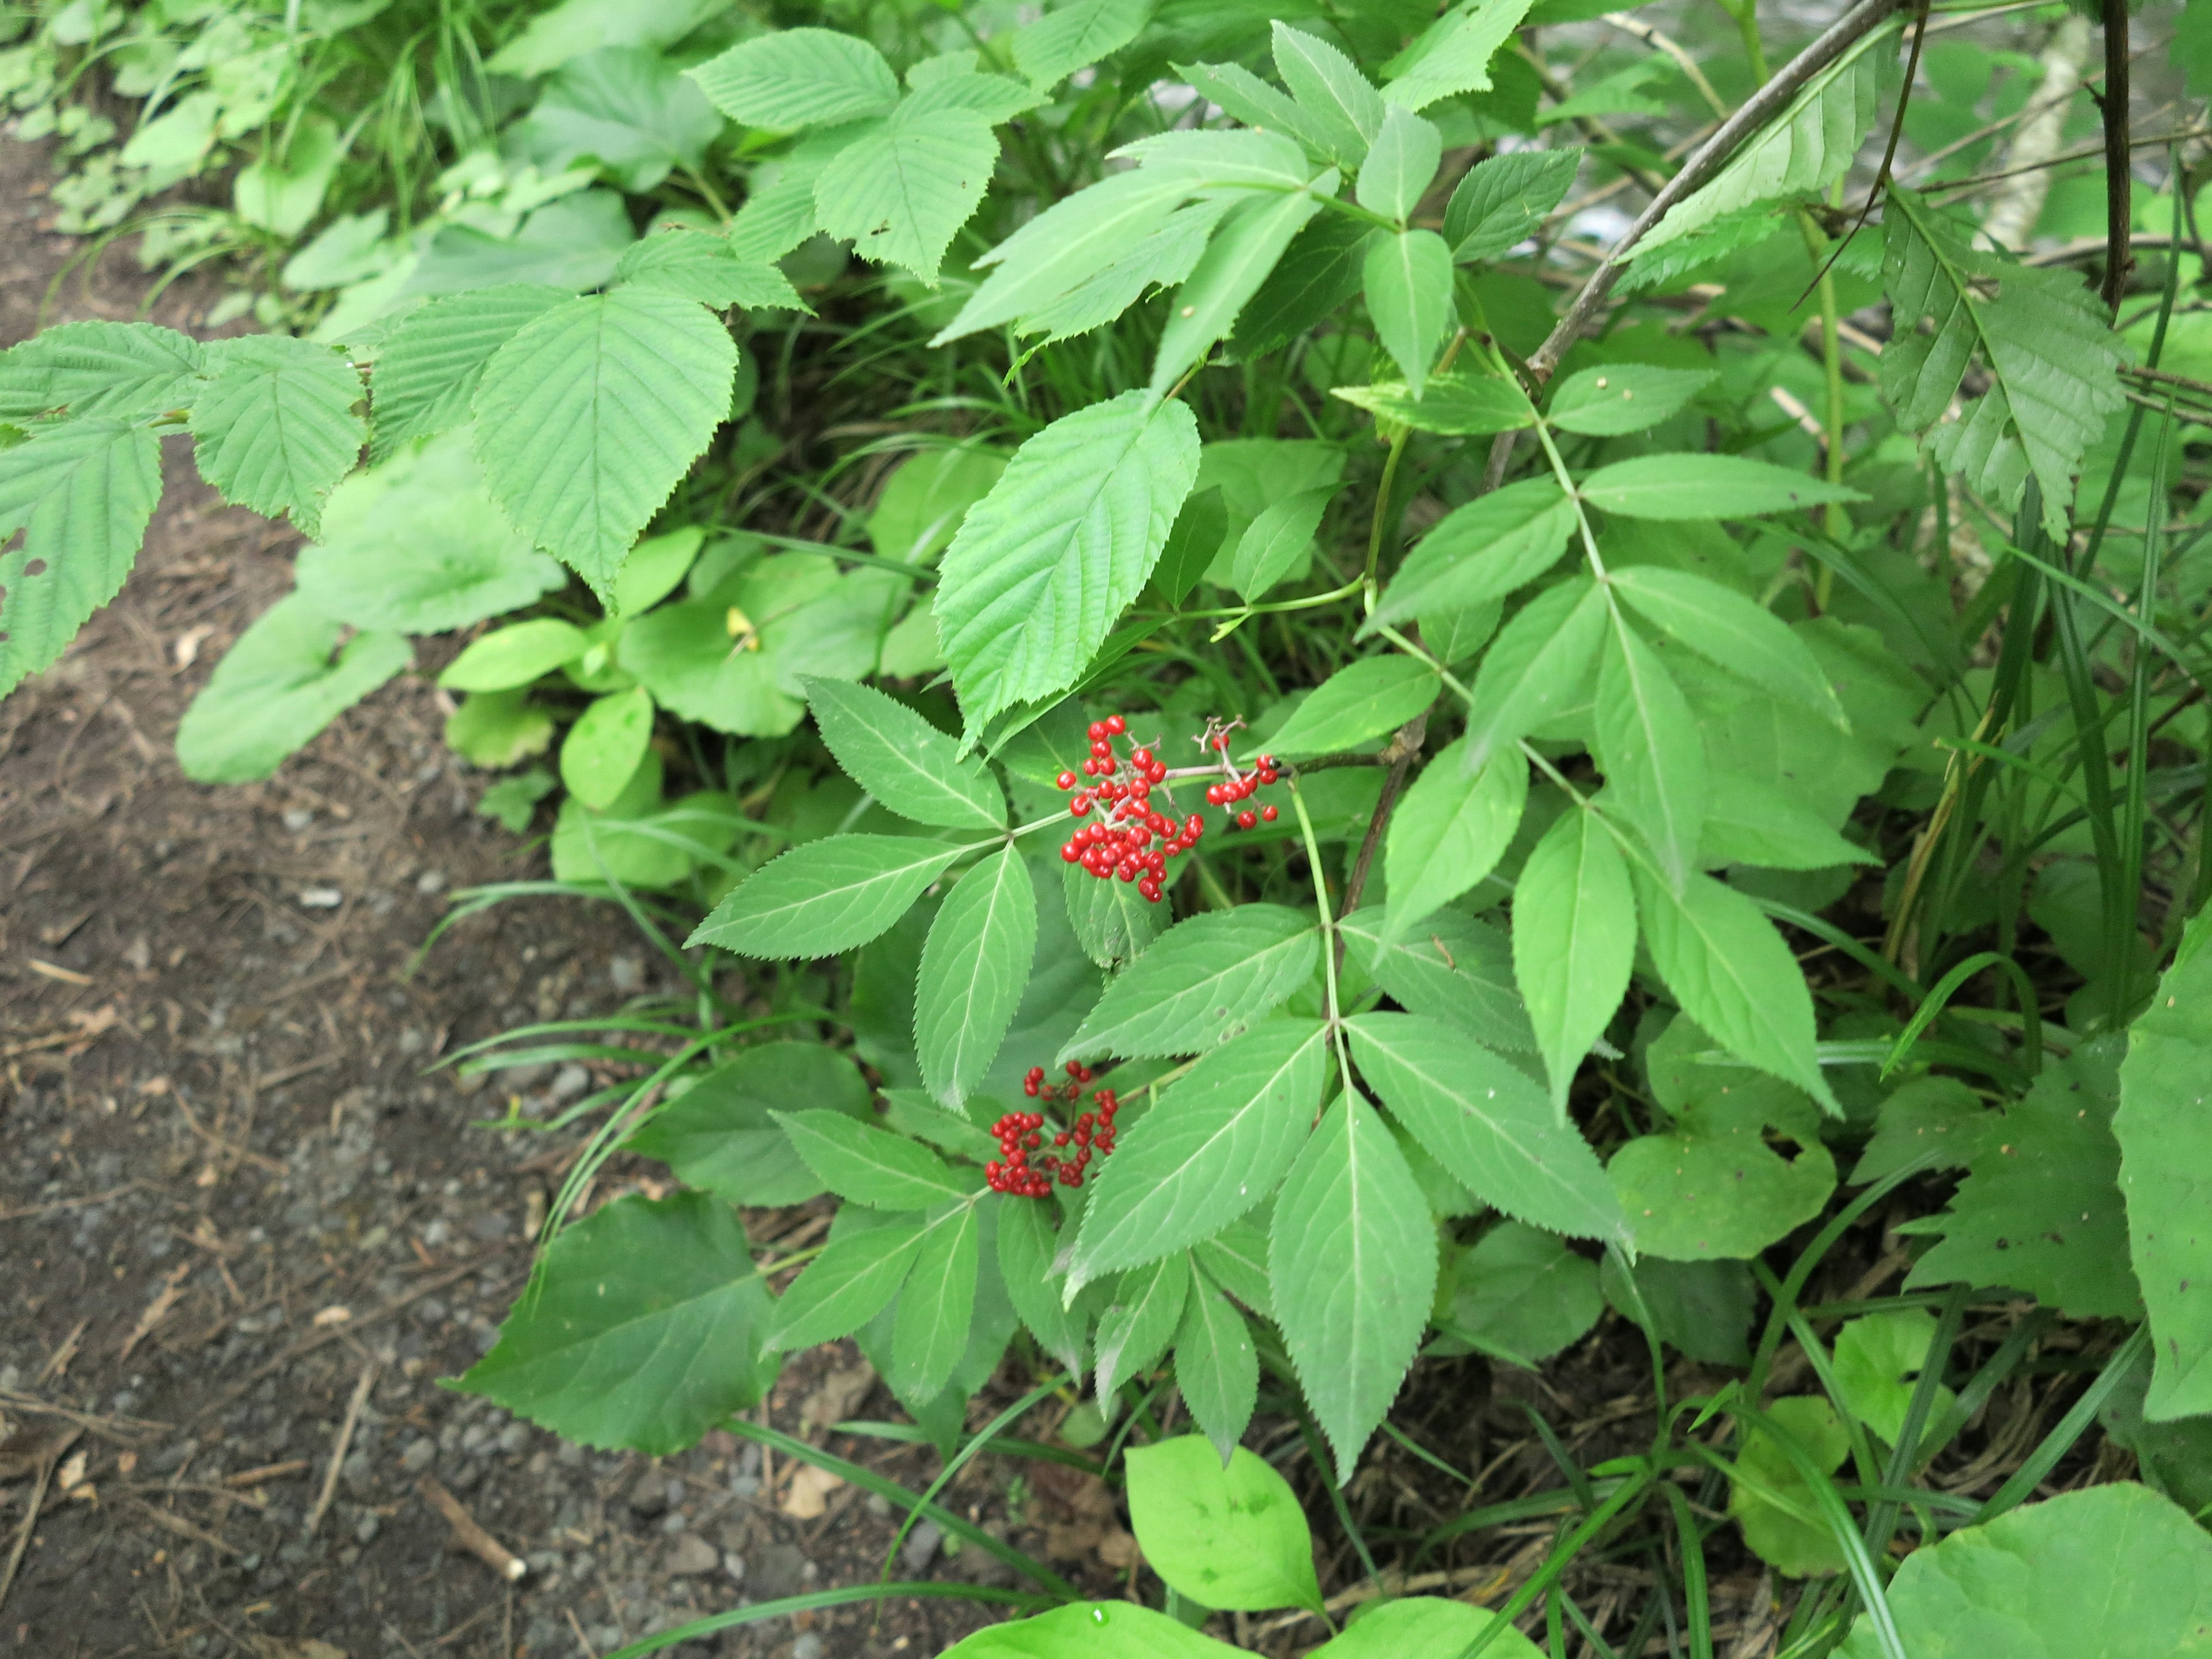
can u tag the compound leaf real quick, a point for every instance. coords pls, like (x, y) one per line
(797, 78)
(1200, 984)
(825, 897)
(975, 968)
(1574, 940)
(903, 760)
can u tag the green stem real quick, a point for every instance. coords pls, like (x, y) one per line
(1328, 933)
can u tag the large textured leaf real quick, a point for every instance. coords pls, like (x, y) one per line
(274, 428)
(1733, 976)
(1712, 1187)
(718, 1133)
(1078, 32)
(427, 372)
(1774, 1502)
(1485, 1122)
(1800, 154)
(825, 897)
(1231, 1536)
(2166, 1170)
(2040, 1210)
(2043, 341)
(1212, 1147)
(2106, 1572)
(1450, 831)
(1352, 1260)
(901, 759)
(95, 368)
(277, 687)
(1649, 743)
(628, 108)
(81, 494)
(1200, 984)
(643, 1329)
(1574, 940)
(906, 183)
(590, 416)
(1044, 564)
(417, 545)
(1453, 55)
(973, 970)
(798, 78)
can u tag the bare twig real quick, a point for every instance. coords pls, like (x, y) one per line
(55, 1448)
(2119, 179)
(1399, 754)
(479, 1543)
(368, 1380)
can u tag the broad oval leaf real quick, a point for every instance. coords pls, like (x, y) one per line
(274, 427)
(643, 1330)
(1358, 704)
(1574, 940)
(1450, 831)
(603, 749)
(901, 759)
(1484, 1122)
(1212, 1147)
(1275, 541)
(825, 897)
(1705, 487)
(277, 688)
(1425, 1624)
(1400, 162)
(1352, 1261)
(1521, 1290)
(590, 416)
(1200, 984)
(1232, 1537)
(1044, 564)
(1095, 1629)
(795, 78)
(1710, 1187)
(975, 968)
(516, 655)
(719, 1134)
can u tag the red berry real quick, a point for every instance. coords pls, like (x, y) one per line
(1268, 812)
(1097, 730)
(1116, 725)
(1141, 759)
(1065, 780)
(1246, 819)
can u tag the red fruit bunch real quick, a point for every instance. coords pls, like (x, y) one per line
(1022, 1133)
(1131, 839)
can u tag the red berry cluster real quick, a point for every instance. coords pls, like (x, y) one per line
(1239, 786)
(1122, 842)
(1021, 1133)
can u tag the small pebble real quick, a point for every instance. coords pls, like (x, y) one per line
(690, 1556)
(808, 1646)
(419, 1456)
(921, 1547)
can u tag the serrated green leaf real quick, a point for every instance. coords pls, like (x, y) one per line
(903, 185)
(719, 1134)
(1244, 251)
(1540, 662)
(1113, 923)
(1213, 1147)
(81, 494)
(826, 897)
(1749, 821)
(1453, 55)
(975, 968)
(1244, 96)
(869, 1165)
(1200, 984)
(937, 1304)
(603, 749)
(1275, 541)
(1705, 487)
(589, 416)
(1216, 1367)
(1358, 704)
(1214, 159)
(901, 759)
(430, 367)
(699, 265)
(2113, 1570)
(1330, 92)
(1457, 404)
(97, 369)
(1503, 201)
(628, 109)
(1450, 831)
(1047, 561)
(2040, 1210)
(1648, 745)
(1494, 545)
(852, 1281)
(1400, 162)
(1574, 940)
(798, 78)
(1054, 253)
(641, 1329)
(2165, 1149)
(1140, 1320)
(2051, 360)
(1407, 280)
(1081, 32)
(1192, 545)
(1230, 1536)
(1523, 1289)
(277, 688)
(1323, 268)
(1732, 632)
(1451, 968)
(1485, 1122)
(1235, 1259)
(1352, 1260)
(1616, 398)
(1163, 258)
(1733, 976)
(573, 28)
(274, 428)
(1027, 1246)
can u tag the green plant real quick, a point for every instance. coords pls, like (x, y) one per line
(1610, 671)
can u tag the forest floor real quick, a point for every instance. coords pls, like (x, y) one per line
(246, 1232)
